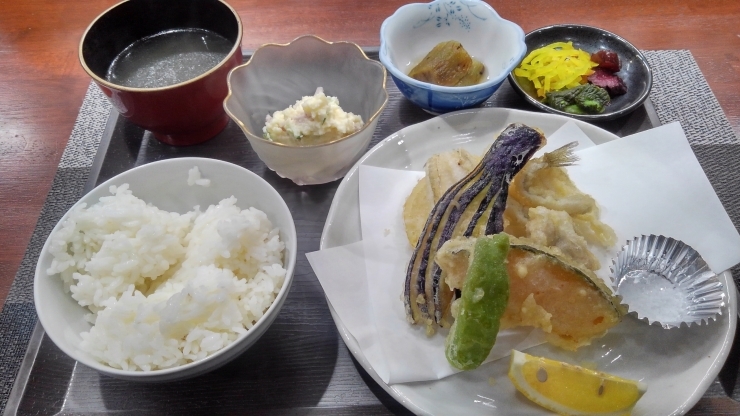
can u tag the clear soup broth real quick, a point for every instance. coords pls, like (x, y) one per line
(168, 58)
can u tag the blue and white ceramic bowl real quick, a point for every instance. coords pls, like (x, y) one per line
(414, 29)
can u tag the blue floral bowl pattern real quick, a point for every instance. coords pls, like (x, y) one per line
(414, 29)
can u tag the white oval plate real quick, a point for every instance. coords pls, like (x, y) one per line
(678, 365)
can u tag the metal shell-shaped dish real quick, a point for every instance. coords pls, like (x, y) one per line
(665, 281)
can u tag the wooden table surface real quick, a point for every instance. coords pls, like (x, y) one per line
(42, 84)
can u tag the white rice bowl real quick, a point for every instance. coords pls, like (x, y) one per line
(172, 291)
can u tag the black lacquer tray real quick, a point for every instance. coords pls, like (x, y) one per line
(300, 365)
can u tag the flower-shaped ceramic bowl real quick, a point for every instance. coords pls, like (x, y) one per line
(414, 29)
(279, 75)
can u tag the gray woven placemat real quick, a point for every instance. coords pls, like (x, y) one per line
(680, 93)
(18, 315)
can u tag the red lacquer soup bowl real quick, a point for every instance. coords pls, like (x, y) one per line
(189, 111)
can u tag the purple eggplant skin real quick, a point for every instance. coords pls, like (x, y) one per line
(484, 190)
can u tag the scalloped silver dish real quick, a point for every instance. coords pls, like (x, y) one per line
(667, 282)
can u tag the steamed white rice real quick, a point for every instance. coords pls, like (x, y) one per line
(165, 289)
(195, 178)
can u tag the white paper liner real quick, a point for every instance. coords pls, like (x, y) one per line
(667, 282)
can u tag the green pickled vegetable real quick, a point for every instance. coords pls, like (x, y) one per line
(483, 301)
(561, 100)
(583, 99)
(573, 109)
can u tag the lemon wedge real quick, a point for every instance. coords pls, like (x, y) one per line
(572, 390)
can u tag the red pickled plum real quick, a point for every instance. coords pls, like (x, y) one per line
(608, 81)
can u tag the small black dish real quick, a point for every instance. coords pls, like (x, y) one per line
(635, 71)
